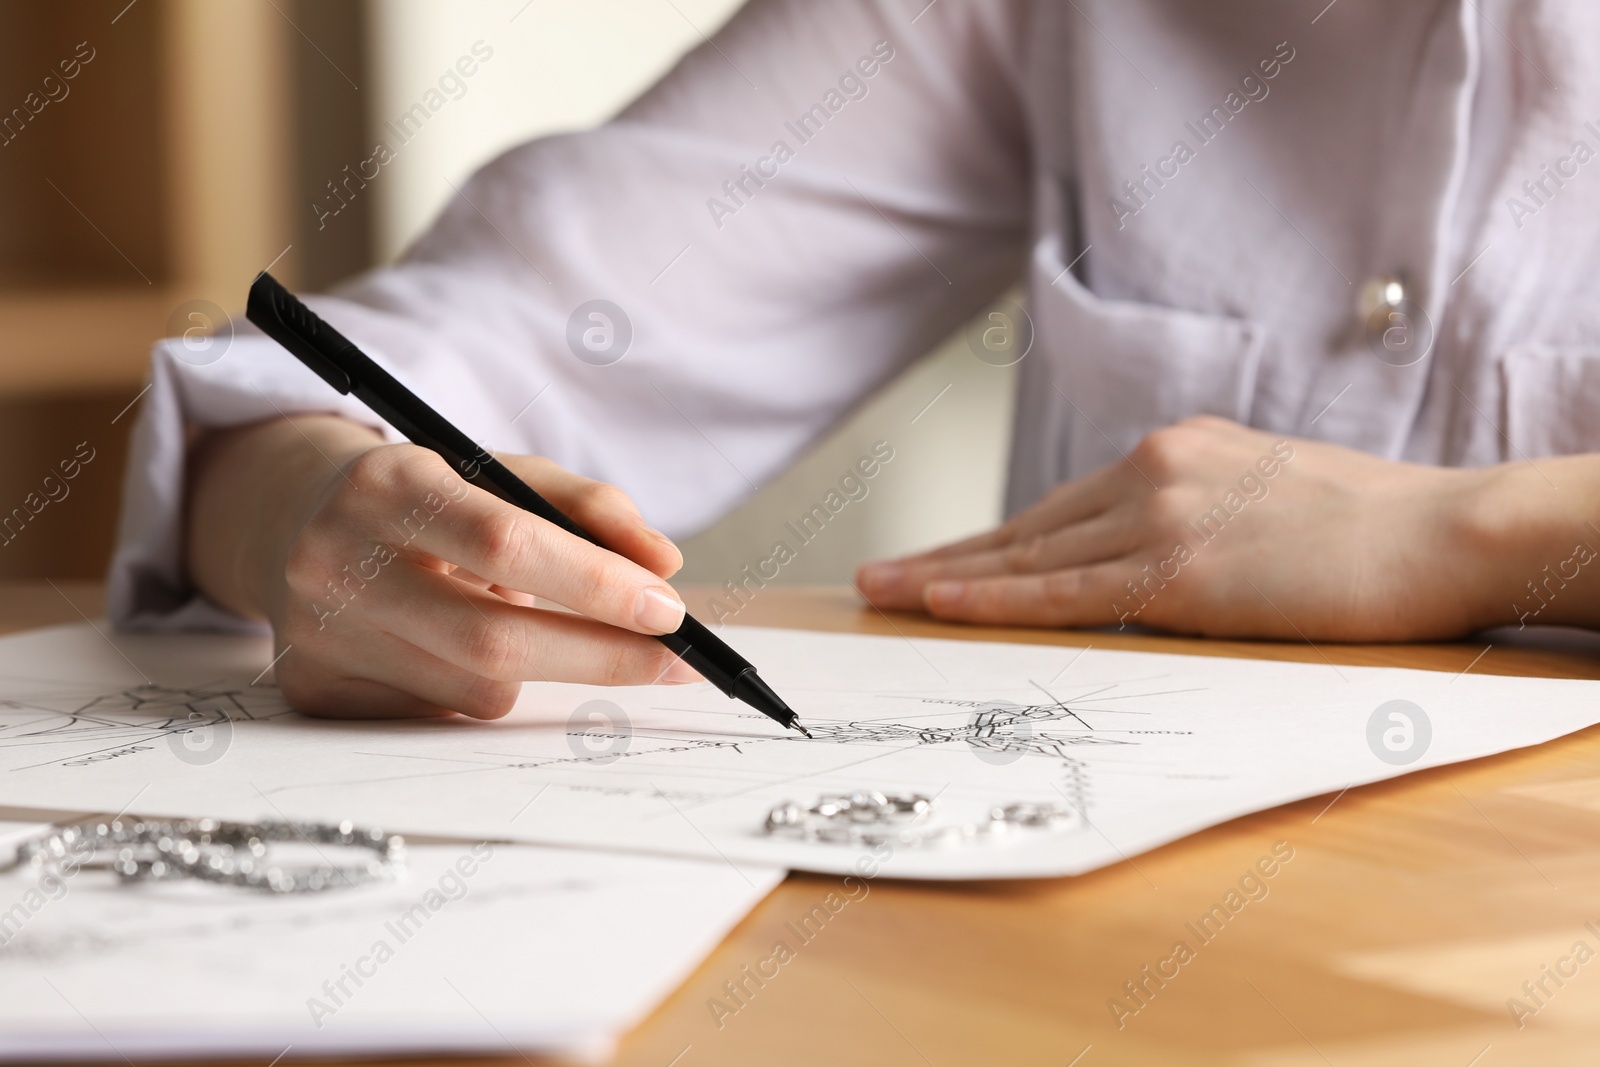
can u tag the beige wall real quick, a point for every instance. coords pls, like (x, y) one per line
(567, 64)
(557, 65)
(945, 481)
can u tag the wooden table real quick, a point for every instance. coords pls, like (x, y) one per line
(1411, 911)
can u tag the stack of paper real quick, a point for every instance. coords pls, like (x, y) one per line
(1138, 748)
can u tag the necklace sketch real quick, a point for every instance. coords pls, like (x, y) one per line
(998, 726)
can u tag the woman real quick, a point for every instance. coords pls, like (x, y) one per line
(1311, 299)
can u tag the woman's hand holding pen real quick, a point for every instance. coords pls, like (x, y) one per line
(395, 588)
(1208, 527)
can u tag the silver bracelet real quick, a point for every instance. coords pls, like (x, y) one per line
(229, 853)
(870, 818)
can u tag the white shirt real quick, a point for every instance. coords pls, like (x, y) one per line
(1194, 196)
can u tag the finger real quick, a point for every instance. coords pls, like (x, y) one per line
(1107, 536)
(1071, 502)
(604, 510)
(506, 546)
(1068, 503)
(389, 661)
(325, 696)
(1079, 596)
(489, 638)
(515, 596)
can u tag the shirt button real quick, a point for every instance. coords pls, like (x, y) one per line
(1397, 330)
(1377, 295)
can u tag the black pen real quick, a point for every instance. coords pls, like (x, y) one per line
(342, 365)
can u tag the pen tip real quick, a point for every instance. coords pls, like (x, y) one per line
(803, 730)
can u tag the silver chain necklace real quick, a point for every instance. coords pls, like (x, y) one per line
(228, 853)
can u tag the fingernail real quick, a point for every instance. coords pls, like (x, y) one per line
(658, 612)
(680, 673)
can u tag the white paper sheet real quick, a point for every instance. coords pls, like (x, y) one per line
(487, 948)
(1148, 747)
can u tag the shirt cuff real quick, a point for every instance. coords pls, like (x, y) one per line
(252, 380)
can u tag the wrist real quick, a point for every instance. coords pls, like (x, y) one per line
(252, 489)
(1534, 548)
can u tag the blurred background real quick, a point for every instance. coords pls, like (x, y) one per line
(186, 152)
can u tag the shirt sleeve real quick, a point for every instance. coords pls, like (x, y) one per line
(678, 302)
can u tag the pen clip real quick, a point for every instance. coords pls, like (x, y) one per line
(282, 317)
